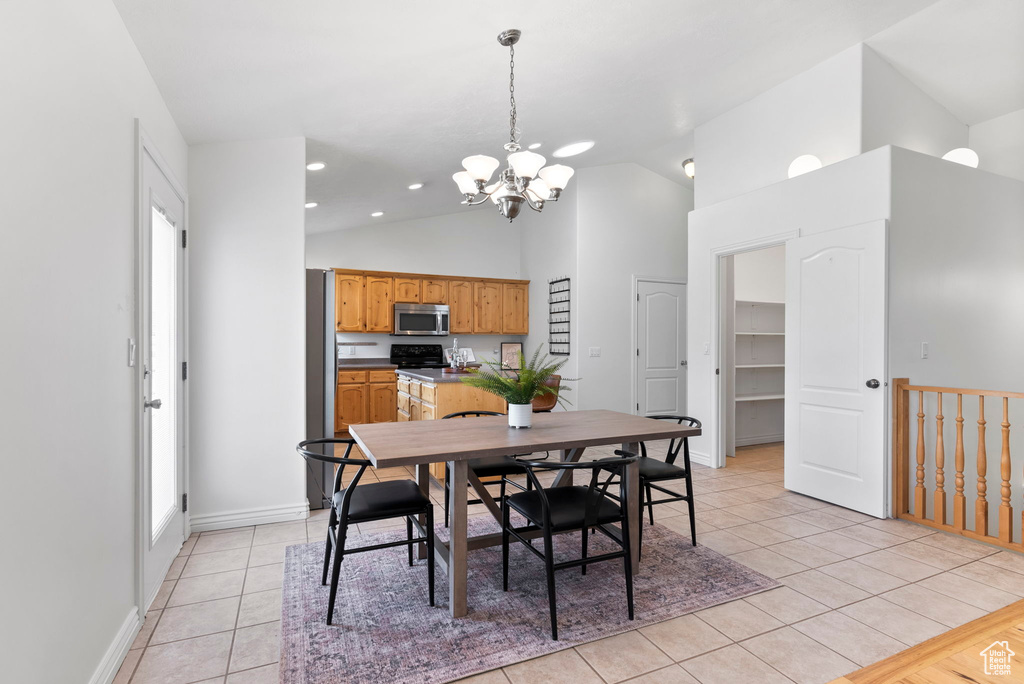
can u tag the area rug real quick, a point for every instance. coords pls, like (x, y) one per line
(384, 631)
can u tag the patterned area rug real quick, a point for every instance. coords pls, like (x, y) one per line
(384, 630)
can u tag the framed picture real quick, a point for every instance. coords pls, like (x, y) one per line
(510, 352)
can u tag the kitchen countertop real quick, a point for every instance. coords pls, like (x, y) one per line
(436, 375)
(366, 364)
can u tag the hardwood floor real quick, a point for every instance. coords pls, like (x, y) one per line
(955, 656)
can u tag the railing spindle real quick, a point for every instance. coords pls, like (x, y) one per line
(939, 509)
(1005, 507)
(981, 504)
(959, 501)
(919, 491)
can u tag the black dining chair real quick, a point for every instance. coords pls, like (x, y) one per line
(367, 503)
(500, 466)
(565, 509)
(654, 470)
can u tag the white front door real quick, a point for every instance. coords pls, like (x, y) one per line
(836, 368)
(161, 349)
(661, 348)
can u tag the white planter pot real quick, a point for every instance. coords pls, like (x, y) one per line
(520, 415)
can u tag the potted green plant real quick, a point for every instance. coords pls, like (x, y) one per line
(519, 388)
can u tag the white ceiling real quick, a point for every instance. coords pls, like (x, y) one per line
(392, 93)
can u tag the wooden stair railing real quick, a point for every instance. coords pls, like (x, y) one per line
(913, 504)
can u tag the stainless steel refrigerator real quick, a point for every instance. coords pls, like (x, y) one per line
(321, 377)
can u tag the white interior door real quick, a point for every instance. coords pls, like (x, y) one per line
(661, 348)
(161, 349)
(836, 367)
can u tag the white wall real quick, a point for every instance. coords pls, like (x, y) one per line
(752, 145)
(476, 242)
(630, 222)
(760, 275)
(956, 251)
(999, 143)
(247, 328)
(73, 84)
(896, 112)
(548, 250)
(845, 193)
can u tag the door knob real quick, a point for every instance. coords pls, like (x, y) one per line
(682, 363)
(873, 384)
(155, 404)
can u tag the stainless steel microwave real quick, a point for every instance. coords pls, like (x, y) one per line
(421, 319)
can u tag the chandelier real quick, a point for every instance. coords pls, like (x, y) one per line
(525, 180)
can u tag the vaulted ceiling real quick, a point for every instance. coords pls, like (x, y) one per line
(398, 92)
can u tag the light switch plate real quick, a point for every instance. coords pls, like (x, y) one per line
(595, 351)
(924, 350)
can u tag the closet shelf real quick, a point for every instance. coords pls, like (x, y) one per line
(761, 365)
(759, 397)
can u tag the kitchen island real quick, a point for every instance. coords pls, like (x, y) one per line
(431, 394)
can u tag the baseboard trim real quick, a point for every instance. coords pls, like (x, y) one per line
(115, 655)
(702, 459)
(759, 439)
(249, 516)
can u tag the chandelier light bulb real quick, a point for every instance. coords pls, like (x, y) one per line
(539, 189)
(805, 163)
(526, 164)
(480, 166)
(556, 176)
(963, 155)
(467, 186)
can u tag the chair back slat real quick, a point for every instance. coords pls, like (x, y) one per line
(304, 449)
(676, 443)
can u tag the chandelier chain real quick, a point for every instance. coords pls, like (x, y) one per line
(512, 93)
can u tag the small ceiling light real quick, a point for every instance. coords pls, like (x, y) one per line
(377, 213)
(533, 146)
(572, 149)
(416, 186)
(310, 205)
(963, 155)
(804, 164)
(688, 167)
(316, 166)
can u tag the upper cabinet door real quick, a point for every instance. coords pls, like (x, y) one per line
(487, 307)
(515, 309)
(460, 301)
(349, 302)
(433, 291)
(379, 304)
(407, 290)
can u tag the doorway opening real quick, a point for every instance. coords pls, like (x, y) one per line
(754, 354)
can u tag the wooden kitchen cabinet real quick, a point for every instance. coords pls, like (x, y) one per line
(433, 291)
(460, 303)
(407, 290)
(515, 309)
(349, 302)
(382, 399)
(487, 307)
(380, 301)
(350, 406)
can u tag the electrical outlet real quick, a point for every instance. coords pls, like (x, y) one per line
(348, 351)
(595, 351)
(924, 350)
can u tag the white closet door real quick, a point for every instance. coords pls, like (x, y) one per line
(836, 367)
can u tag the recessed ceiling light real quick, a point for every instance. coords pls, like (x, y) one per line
(572, 149)
(310, 205)
(316, 166)
(534, 146)
(416, 186)
(805, 163)
(377, 213)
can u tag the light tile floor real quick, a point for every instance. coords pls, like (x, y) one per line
(856, 590)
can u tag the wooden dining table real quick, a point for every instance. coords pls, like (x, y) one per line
(420, 443)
